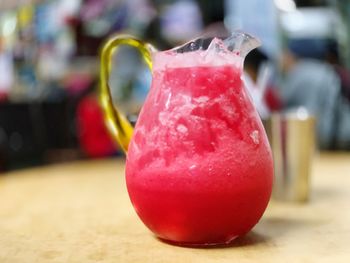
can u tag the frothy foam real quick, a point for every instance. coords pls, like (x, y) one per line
(216, 54)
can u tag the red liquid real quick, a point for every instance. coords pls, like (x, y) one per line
(199, 168)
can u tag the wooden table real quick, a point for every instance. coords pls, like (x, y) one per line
(80, 212)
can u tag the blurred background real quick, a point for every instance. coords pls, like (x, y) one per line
(49, 66)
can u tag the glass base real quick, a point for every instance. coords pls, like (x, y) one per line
(215, 244)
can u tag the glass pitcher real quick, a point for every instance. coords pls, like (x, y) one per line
(199, 168)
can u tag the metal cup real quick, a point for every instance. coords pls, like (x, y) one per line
(292, 139)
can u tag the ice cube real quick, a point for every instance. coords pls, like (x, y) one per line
(255, 136)
(181, 128)
(163, 118)
(201, 99)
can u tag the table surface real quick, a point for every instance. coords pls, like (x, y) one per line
(80, 212)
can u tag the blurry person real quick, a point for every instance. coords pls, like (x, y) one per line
(176, 23)
(342, 120)
(181, 21)
(94, 138)
(6, 69)
(332, 57)
(314, 85)
(257, 76)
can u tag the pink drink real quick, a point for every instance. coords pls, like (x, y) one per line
(199, 167)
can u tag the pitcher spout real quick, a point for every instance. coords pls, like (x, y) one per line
(241, 43)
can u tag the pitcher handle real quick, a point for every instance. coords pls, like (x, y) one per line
(118, 125)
